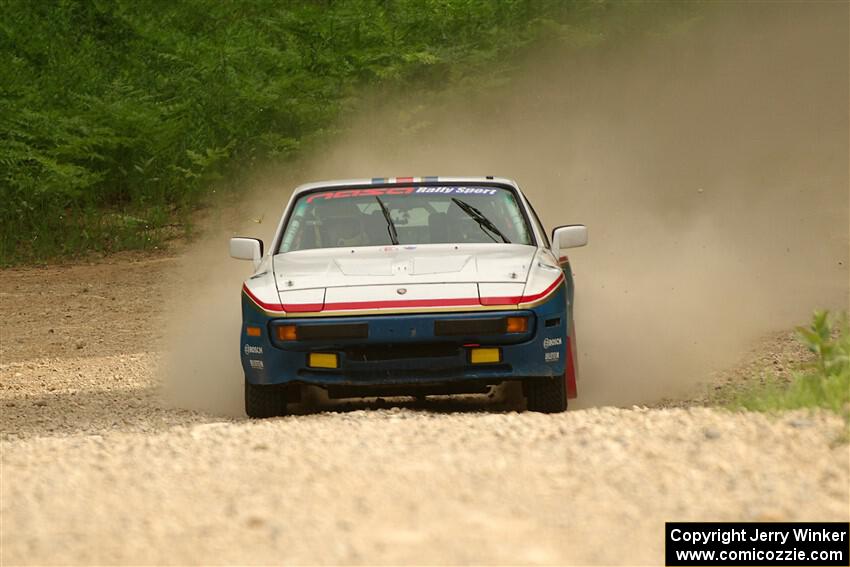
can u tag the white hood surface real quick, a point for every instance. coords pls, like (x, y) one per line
(447, 271)
(398, 265)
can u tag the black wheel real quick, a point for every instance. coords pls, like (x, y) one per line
(264, 401)
(547, 395)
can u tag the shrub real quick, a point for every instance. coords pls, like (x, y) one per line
(822, 383)
(133, 108)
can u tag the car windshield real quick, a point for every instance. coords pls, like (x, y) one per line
(378, 216)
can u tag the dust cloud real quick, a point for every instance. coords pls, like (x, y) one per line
(711, 168)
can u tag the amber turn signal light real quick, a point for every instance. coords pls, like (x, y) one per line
(517, 325)
(253, 331)
(287, 332)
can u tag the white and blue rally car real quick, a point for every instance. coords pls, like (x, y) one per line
(408, 286)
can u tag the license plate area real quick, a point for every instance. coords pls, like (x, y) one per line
(401, 351)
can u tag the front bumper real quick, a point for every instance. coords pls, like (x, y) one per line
(406, 349)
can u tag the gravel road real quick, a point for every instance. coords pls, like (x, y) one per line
(95, 469)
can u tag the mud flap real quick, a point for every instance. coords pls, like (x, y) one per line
(570, 374)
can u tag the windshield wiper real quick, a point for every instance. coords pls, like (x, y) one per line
(390, 226)
(482, 221)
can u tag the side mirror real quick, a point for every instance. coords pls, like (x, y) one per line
(570, 236)
(246, 249)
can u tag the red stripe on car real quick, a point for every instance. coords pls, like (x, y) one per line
(455, 302)
(515, 299)
(263, 304)
(405, 303)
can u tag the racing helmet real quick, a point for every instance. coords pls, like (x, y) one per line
(341, 223)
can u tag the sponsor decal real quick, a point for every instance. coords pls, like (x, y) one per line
(256, 364)
(553, 356)
(458, 190)
(360, 193)
(377, 192)
(251, 349)
(549, 343)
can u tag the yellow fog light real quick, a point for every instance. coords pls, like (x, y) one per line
(253, 331)
(323, 360)
(517, 324)
(484, 355)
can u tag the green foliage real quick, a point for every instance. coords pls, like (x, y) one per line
(130, 109)
(825, 383)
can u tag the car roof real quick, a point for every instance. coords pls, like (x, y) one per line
(378, 181)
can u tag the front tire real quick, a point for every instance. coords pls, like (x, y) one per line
(262, 401)
(547, 395)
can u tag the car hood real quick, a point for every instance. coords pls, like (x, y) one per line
(328, 268)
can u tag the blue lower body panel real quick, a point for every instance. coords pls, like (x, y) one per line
(407, 349)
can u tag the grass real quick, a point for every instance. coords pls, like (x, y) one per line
(823, 383)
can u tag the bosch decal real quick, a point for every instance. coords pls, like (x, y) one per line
(549, 343)
(251, 349)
